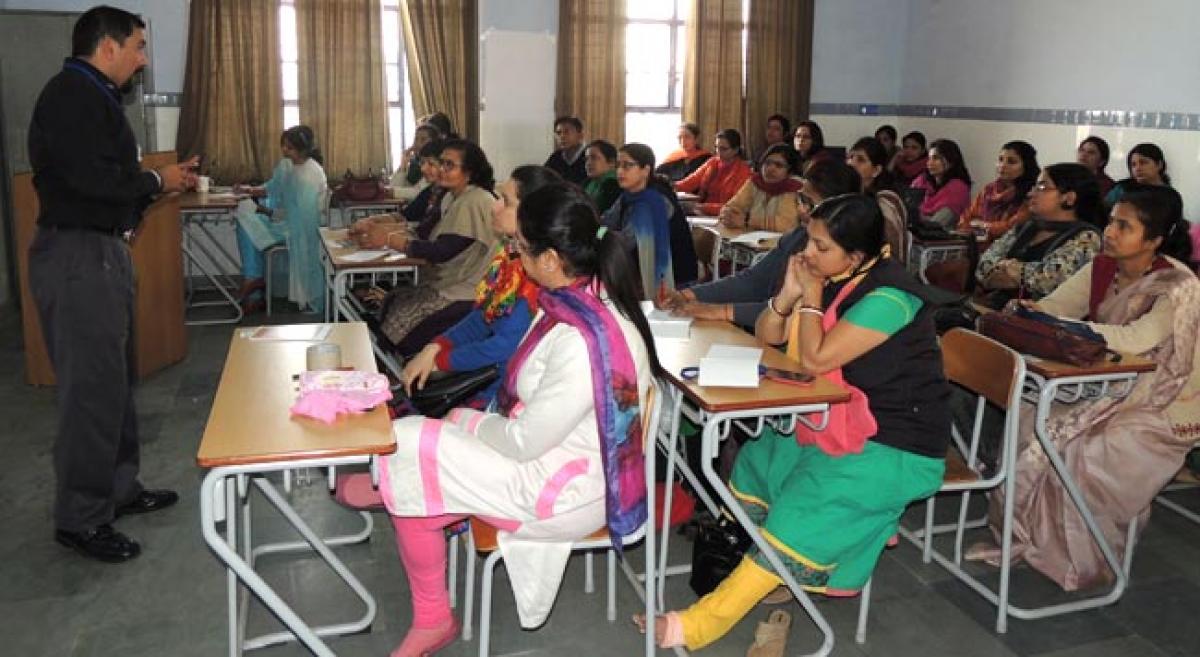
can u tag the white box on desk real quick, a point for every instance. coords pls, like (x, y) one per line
(665, 325)
(730, 366)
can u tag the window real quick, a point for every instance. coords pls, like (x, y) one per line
(399, 97)
(655, 53)
(400, 122)
(289, 57)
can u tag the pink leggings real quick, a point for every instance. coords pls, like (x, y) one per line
(422, 545)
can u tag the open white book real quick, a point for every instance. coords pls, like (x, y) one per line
(755, 236)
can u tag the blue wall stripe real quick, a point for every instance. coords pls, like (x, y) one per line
(1108, 118)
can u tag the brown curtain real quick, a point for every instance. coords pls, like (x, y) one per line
(778, 64)
(591, 66)
(342, 86)
(232, 101)
(441, 42)
(712, 78)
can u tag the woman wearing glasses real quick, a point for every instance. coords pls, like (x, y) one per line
(768, 200)
(643, 216)
(457, 250)
(1034, 258)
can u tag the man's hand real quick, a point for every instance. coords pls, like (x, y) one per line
(179, 177)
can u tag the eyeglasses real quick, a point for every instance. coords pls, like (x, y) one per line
(627, 164)
(1043, 186)
(805, 201)
(448, 165)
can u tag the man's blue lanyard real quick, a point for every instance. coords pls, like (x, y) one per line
(91, 75)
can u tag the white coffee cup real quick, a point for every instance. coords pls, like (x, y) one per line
(323, 356)
(202, 183)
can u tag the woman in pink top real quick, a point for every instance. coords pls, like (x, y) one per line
(947, 184)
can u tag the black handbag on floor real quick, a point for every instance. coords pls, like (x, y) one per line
(719, 548)
(444, 391)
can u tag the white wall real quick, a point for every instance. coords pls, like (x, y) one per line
(855, 48)
(1109, 54)
(168, 32)
(1103, 55)
(517, 59)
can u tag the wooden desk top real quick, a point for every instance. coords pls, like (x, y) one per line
(1050, 369)
(337, 254)
(389, 202)
(196, 201)
(250, 422)
(678, 354)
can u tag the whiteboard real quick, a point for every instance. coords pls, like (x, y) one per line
(516, 97)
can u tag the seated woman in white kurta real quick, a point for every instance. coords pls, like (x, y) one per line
(563, 457)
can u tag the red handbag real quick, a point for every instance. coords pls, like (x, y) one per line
(360, 188)
(1039, 335)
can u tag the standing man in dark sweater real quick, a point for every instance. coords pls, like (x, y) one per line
(92, 192)
(568, 159)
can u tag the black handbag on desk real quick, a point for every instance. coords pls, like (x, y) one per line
(444, 391)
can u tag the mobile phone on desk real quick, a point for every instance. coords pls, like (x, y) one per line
(788, 376)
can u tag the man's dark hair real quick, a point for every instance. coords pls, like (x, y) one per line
(572, 121)
(99, 22)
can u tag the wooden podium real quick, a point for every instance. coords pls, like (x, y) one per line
(158, 271)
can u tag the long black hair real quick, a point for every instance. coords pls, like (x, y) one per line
(878, 155)
(1029, 168)
(1101, 145)
(818, 139)
(474, 162)
(560, 216)
(1074, 177)
(955, 166)
(1151, 152)
(854, 222)
(531, 177)
(304, 141)
(1160, 209)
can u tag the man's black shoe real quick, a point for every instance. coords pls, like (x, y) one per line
(147, 501)
(102, 543)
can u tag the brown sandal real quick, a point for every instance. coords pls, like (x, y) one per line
(770, 637)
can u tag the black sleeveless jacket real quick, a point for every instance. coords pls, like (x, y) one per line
(906, 388)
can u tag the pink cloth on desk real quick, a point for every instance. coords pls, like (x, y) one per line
(326, 395)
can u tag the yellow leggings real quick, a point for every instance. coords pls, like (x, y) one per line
(714, 614)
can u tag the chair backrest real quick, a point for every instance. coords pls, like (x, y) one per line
(485, 534)
(983, 366)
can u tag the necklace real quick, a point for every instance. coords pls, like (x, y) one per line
(1116, 284)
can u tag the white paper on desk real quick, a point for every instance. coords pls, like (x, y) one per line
(289, 333)
(365, 256)
(665, 325)
(755, 236)
(730, 366)
(703, 222)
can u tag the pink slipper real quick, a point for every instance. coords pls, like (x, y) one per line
(355, 491)
(422, 642)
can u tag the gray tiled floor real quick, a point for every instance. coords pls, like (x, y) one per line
(170, 601)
